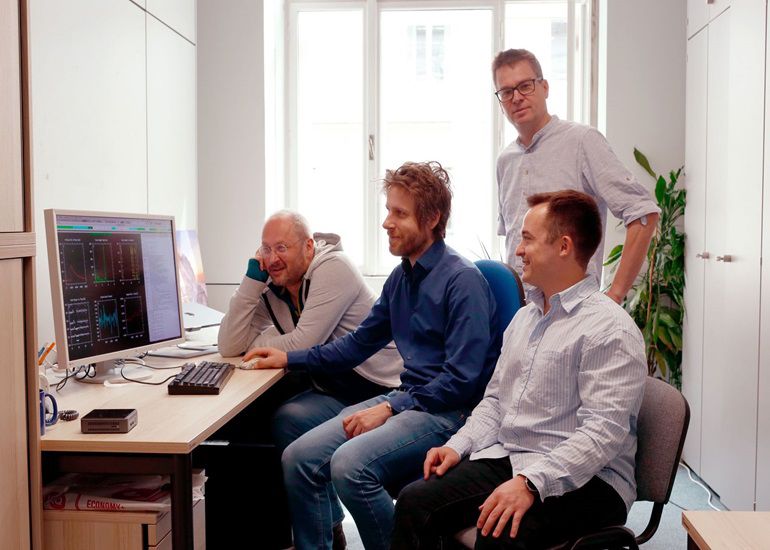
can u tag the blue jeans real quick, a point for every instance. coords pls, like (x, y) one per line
(362, 470)
(300, 414)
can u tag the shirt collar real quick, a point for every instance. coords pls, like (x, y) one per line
(545, 130)
(427, 261)
(569, 298)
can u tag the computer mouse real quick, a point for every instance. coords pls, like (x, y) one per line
(250, 364)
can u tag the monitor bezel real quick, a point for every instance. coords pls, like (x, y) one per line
(57, 290)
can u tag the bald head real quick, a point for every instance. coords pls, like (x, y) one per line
(298, 223)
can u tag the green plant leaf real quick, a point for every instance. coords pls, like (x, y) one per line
(660, 191)
(614, 255)
(656, 302)
(643, 162)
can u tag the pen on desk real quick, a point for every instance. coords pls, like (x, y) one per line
(45, 353)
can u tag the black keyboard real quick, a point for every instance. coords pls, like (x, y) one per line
(205, 378)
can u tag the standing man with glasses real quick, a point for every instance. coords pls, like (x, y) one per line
(552, 154)
(299, 291)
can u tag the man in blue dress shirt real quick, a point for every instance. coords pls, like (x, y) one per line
(548, 453)
(440, 312)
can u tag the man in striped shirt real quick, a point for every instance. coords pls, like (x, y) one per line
(548, 454)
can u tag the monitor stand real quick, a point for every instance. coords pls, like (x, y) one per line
(108, 371)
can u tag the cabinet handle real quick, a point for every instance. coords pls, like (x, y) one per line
(704, 255)
(726, 258)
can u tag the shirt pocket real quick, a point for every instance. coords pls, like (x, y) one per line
(553, 383)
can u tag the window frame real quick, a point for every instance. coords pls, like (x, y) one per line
(371, 13)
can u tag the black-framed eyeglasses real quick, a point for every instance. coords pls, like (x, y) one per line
(524, 88)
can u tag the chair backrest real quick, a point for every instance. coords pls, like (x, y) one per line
(661, 429)
(506, 287)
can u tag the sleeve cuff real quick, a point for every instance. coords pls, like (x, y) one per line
(297, 360)
(253, 271)
(460, 444)
(400, 401)
(536, 480)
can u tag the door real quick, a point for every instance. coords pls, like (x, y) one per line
(733, 237)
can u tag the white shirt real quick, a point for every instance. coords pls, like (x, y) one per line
(564, 398)
(566, 155)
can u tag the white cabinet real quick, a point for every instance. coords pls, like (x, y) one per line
(695, 230)
(763, 428)
(723, 225)
(178, 15)
(171, 144)
(113, 93)
(697, 16)
(700, 12)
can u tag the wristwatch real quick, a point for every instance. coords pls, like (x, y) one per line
(530, 486)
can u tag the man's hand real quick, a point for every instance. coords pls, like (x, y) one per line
(510, 500)
(262, 263)
(366, 420)
(269, 358)
(439, 460)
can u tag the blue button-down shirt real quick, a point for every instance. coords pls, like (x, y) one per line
(442, 316)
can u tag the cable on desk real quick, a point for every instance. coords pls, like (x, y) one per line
(83, 369)
(122, 374)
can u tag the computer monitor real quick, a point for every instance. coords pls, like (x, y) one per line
(114, 287)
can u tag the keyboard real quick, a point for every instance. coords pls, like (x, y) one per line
(204, 378)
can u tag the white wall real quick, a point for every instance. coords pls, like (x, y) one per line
(113, 115)
(642, 84)
(231, 140)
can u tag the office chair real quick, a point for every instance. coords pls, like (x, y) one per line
(506, 287)
(661, 429)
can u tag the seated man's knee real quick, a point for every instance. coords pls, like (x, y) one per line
(348, 470)
(295, 455)
(411, 498)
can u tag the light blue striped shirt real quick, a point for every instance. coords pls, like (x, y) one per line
(566, 155)
(565, 395)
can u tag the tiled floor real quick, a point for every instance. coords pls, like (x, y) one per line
(670, 535)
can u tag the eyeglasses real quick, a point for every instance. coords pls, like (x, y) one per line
(266, 251)
(524, 88)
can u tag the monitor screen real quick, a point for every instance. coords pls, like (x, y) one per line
(114, 284)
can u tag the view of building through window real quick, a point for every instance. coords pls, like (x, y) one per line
(422, 91)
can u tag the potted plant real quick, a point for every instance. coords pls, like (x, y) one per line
(656, 302)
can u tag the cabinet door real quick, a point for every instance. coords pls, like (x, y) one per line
(171, 154)
(763, 405)
(14, 506)
(716, 7)
(697, 16)
(695, 229)
(11, 213)
(733, 214)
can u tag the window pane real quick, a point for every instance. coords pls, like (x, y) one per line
(435, 104)
(329, 144)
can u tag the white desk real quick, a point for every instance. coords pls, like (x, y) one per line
(169, 428)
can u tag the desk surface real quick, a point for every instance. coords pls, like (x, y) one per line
(171, 424)
(728, 530)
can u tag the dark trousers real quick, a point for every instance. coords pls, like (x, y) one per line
(432, 510)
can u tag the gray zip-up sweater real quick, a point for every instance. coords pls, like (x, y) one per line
(337, 301)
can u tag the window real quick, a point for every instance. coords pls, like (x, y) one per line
(372, 84)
